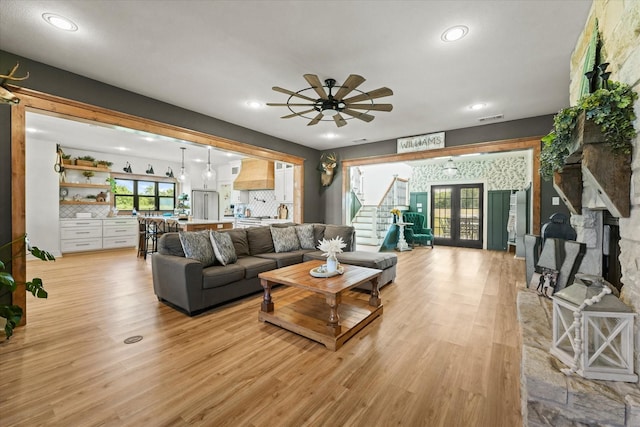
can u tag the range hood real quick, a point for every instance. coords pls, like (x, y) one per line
(255, 174)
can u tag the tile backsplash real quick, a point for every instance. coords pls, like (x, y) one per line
(69, 211)
(263, 203)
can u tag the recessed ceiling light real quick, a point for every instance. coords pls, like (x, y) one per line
(330, 135)
(122, 148)
(32, 130)
(255, 104)
(454, 33)
(60, 22)
(478, 106)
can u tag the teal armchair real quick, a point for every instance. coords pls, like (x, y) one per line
(417, 233)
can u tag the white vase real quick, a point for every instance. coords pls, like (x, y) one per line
(332, 264)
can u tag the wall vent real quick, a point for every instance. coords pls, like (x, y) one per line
(495, 117)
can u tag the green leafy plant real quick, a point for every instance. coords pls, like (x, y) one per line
(105, 163)
(13, 313)
(88, 174)
(112, 183)
(66, 156)
(87, 158)
(611, 109)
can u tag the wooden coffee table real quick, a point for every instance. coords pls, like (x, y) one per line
(325, 313)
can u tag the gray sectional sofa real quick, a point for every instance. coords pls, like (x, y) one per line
(188, 285)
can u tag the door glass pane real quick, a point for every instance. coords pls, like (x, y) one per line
(442, 212)
(470, 213)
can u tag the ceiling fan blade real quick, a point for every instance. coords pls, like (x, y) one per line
(352, 82)
(372, 107)
(276, 104)
(377, 93)
(288, 116)
(315, 83)
(358, 115)
(288, 92)
(340, 121)
(316, 119)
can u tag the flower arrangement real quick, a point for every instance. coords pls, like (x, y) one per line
(396, 212)
(331, 247)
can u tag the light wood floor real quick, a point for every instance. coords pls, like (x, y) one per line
(444, 353)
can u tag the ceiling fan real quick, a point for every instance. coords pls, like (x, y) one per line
(334, 105)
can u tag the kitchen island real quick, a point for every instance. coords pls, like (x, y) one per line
(205, 224)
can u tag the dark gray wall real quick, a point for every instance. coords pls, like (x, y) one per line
(494, 132)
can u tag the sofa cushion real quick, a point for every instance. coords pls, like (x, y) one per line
(220, 275)
(196, 245)
(239, 239)
(223, 248)
(170, 244)
(284, 259)
(345, 231)
(318, 233)
(305, 236)
(379, 260)
(255, 265)
(260, 240)
(285, 239)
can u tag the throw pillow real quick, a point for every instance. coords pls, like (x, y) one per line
(345, 231)
(196, 245)
(260, 240)
(285, 239)
(223, 248)
(305, 236)
(239, 239)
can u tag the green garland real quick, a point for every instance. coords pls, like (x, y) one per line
(611, 109)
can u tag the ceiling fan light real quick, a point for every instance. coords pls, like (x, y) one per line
(329, 112)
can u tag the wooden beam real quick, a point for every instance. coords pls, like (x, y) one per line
(18, 218)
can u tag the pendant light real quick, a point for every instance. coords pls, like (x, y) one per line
(208, 174)
(450, 168)
(183, 173)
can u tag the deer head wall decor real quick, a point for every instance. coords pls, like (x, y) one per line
(328, 163)
(5, 93)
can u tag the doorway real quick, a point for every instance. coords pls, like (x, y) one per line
(456, 215)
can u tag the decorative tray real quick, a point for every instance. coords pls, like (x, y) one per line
(322, 271)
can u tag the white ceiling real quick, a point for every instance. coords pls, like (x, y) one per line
(213, 57)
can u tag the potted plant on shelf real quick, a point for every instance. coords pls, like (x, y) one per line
(88, 175)
(85, 161)
(593, 139)
(12, 314)
(103, 164)
(67, 160)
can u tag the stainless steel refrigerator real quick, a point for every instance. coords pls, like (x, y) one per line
(204, 204)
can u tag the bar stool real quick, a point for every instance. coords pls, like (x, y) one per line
(155, 229)
(142, 237)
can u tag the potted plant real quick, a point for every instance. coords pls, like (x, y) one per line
(611, 109)
(67, 160)
(593, 141)
(88, 175)
(104, 164)
(12, 314)
(85, 161)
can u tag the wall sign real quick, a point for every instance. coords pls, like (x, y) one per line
(421, 142)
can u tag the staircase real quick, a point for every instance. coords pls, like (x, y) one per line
(372, 221)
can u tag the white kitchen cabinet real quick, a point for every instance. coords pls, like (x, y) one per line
(283, 182)
(119, 233)
(78, 235)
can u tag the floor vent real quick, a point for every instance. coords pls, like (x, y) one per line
(133, 339)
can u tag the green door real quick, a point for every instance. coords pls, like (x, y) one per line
(498, 212)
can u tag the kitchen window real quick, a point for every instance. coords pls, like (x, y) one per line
(144, 195)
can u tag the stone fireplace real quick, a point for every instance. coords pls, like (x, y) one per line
(551, 398)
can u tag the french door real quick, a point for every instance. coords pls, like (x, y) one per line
(456, 215)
